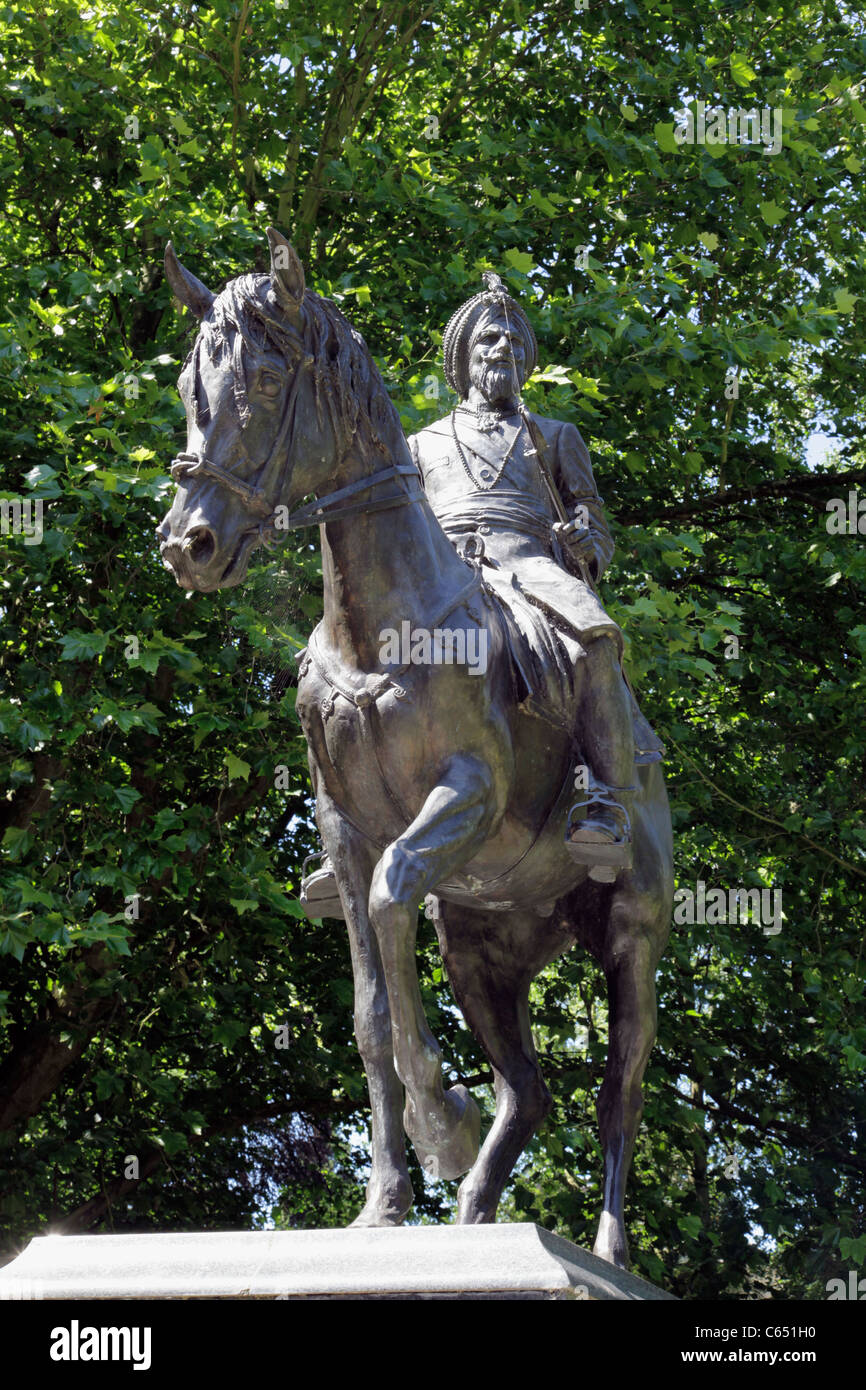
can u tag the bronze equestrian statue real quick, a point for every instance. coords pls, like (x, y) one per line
(435, 780)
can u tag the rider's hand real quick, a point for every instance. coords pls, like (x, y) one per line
(577, 538)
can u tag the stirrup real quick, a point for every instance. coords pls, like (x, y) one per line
(605, 860)
(319, 895)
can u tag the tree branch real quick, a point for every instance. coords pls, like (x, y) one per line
(805, 484)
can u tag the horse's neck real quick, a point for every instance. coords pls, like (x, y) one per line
(384, 567)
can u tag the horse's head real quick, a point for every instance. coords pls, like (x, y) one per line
(257, 436)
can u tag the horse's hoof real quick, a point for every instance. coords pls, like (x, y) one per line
(375, 1216)
(386, 1207)
(454, 1154)
(611, 1243)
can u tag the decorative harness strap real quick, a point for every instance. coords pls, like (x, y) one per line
(364, 698)
(256, 495)
(372, 687)
(197, 465)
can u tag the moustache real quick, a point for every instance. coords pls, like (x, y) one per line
(499, 371)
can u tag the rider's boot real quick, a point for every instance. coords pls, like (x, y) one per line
(320, 896)
(598, 832)
(602, 837)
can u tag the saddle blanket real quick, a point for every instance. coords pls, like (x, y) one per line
(544, 656)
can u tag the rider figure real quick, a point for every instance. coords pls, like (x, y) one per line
(492, 470)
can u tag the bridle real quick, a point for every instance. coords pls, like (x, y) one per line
(257, 497)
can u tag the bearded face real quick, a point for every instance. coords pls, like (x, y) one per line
(496, 359)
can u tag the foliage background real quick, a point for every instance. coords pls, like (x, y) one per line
(405, 147)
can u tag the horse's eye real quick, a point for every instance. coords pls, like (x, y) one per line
(269, 386)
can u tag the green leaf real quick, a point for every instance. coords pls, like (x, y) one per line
(242, 905)
(127, 796)
(714, 177)
(691, 1226)
(82, 646)
(538, 200)
(31, 735)
(664, 134)
(237, 767)
(228, 1032)
(845, 301)
(520, 260)
(13, 941)
(174, 1142)
(16, 841)
(772, 213)
(741, 71)
(42, 475)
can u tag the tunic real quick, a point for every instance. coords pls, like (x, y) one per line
(514, 514)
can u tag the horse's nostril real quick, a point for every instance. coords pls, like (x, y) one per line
(199, 545)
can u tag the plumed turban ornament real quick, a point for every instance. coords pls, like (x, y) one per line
(462, 326)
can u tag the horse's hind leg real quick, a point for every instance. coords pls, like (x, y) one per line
(489, 959)
(453, 822)
(629, 957)
(389, 1191)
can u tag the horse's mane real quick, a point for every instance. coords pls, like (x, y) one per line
(347, 382)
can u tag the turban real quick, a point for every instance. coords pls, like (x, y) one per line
(469, 317)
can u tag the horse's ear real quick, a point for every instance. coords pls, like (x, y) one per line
(185, 287)
(287, 273)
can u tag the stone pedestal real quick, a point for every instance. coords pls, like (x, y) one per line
(483, 1262)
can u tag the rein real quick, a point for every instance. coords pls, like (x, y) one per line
(319, 511)
(312, 513)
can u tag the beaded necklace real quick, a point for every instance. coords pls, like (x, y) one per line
(486, 479)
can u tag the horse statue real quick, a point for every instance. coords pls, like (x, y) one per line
(431, 782)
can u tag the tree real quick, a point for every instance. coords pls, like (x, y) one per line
(700, 313)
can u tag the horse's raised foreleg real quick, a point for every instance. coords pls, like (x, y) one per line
(629, 959)
(389, 1190)
(491, 958)
(444, 1127)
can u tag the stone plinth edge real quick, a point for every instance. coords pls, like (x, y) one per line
(510, 1260)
